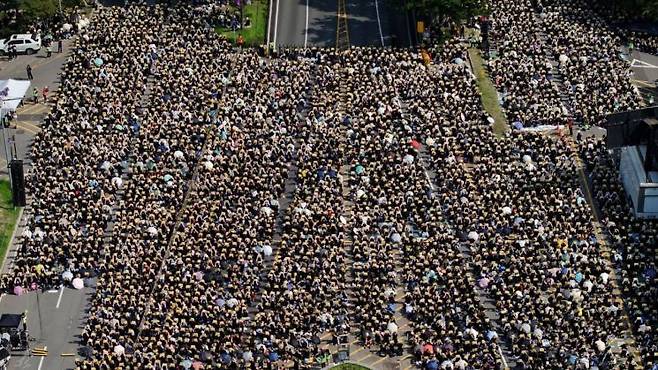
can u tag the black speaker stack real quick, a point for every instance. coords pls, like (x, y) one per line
(18, 183)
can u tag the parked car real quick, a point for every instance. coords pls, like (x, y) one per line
(25, 43)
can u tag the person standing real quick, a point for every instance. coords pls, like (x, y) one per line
(44, 93)
(29, 72)
(49, 51)
(35, 95)
(60, 46)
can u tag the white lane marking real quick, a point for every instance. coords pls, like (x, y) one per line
(269, 26)
(42, 357)
(502, 357)
(429, 181)
(379, 23)
(306, 29)
(61, 292)
(636, 63)
(276, 23)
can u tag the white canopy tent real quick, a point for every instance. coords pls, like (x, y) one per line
(12, 93)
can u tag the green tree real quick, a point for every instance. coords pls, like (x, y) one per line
(445, 11)
(645, 9)
(37, 9)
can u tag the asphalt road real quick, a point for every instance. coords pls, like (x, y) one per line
(54, 318)
(645, 74)
(46, 73)
(308, 23)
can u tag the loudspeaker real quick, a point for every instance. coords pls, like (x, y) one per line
(18, 183)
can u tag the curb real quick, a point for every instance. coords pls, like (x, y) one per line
(11, 240)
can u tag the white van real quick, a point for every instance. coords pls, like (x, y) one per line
(25, 43)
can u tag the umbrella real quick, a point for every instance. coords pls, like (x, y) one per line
(206, 356)
(198, 275)
(483, 283)
(408, 159)
(208, 165)
(415, 144)
(247, 356)
(579, 277)
(267, 250)
(86, 352)
(490, 120)
(428, 348)
(360, 193)
(67, 275)
(491, 335)
(563, 58)
(117, 181)
(473, 236)
(168, 177)
(392, 327)
(119, 350)
(152, 231)
(220, 302)
(98, 62)
(232, 302)
(18, 290)
(432, 365)
(197, 365)
(266, 210)
(178, 154)
(78, 283)
(458, 61)
(225, 358)
(525, 328)
(359, 169)
(273, 356)
(527, 159)
(507, 210)
(429, 141)
(600, 345)
(186, 364)
(396, 238)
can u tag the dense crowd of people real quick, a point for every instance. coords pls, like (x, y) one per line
(521, 72)
(235, 209)
(585, 49)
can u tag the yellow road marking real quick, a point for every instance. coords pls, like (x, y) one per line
(642, 82)
(381, 359)
(368, 355)
(22, 126)
(34, 109)
(357, 351)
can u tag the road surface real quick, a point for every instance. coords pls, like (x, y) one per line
(46, 73)
(308, 23)
(55, 319)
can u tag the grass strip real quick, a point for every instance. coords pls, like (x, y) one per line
(257, 11)
(8, 218)
(488, 93)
